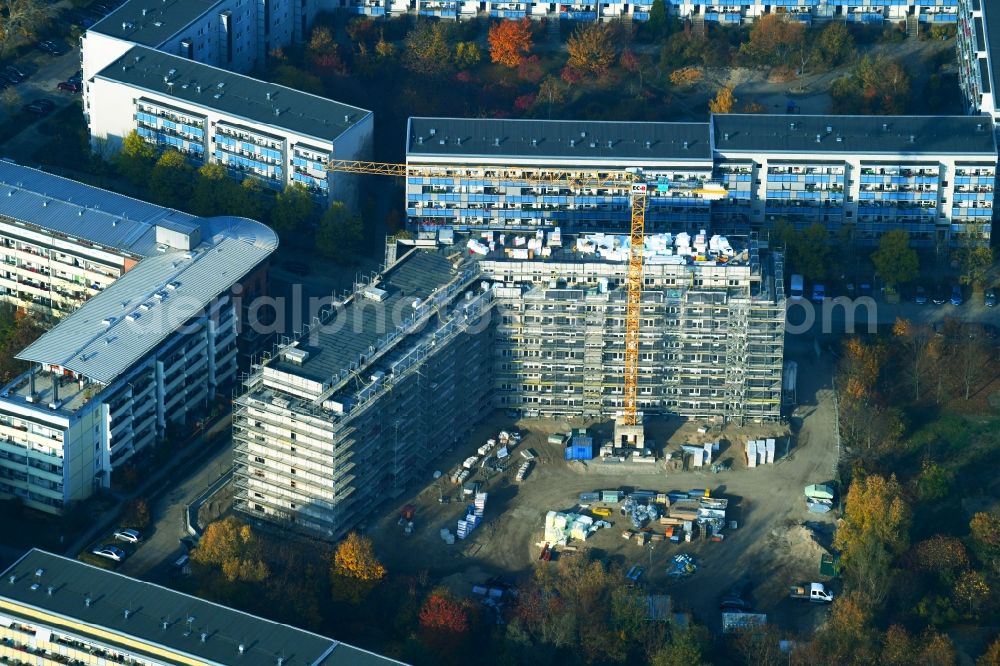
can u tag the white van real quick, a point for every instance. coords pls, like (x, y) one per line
(797, 291)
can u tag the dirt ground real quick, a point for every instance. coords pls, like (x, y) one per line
(810, 92)
(768, 550)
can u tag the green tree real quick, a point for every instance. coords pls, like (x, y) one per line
(834, 46)
(895, 261)
(293, 209)
(807, 251)
(250, 199)
(340, 235)
(171, 181)
(211, 186)
(656, 25)
(686, 648)
(135, 160)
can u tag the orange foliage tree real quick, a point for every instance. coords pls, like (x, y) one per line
(355, 570)
(440, 613)
(510, 41)
(724, 101)
(231, 546)
(591, 49)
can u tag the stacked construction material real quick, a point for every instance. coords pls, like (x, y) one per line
(561, 527)
(760, 452)
(473, 517)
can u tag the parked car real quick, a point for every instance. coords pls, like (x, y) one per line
(128, 534)
(40, 107)
(70, 86)
(990, 297)
(819, 293)
(920, 296)
(76, 78)
(956, 295)
(14, 74)
(111, 552)
(940, 295)
(865, 289)
(53, 48)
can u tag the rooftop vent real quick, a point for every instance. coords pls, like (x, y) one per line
(534, 142)
(819, 138)
(913, 138)
(145, 11)
(725, 136)
(87, 601)
(442, 141)
(432, 131)
(885, 127)
(583, 135)
(267, 96)
(347, 117)
(840, 139)
(649, 144)
(496, 142)
(572, 143)
(204, 637)
(242, 648)
(158, 24)
(49, 590)
(39, 572)
(35, 586)
(296, 356)
(791, 125)
(220, 85)
(829, 130)
(12, 579)
(127, 613)
(685, 145)
(277, 111)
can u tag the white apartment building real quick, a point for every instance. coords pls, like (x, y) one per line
(978, 55)
(168, 69)
(932, 176)
(55, 611)
(154, 342)
(275, 134)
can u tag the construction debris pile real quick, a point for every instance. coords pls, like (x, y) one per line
(560, 527)
(487, 458)
(760, 452)
(683, 565)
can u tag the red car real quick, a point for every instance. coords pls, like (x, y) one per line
(71, 86)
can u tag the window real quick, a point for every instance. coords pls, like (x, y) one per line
(258, 459)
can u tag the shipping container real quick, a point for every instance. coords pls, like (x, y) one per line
(610, 496)
(590, 497)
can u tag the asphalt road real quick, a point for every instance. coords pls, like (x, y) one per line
(162, 542)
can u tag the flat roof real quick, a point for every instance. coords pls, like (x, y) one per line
(152, 22)
(362, 322)
(933, 135)
(241, 97)
(52, 204)
(992, 45)
(187, 618)
(119, 326)
(562, 139)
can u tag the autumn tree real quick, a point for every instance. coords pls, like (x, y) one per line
(467, 55)
(877, 85)
(984, 535)
(591, 49)
(898, 647)
(686, 76)
(685, 648)
(428, 49)
(441, 613)
(849, 636)
(323, 52)
(22, 18)
(231, 546)
(833, 46)
(136, 514)
(355, 569)
(972, 590)
(510, 41)
(974, 262)
(992, 655)
(972, 362)
(914, 339)
(940, 554)
(723, 102)
(773, 38)
(895, 261)
(551, 91)
(530, 69)
(936, 650)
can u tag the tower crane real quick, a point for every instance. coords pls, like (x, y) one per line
(631, 179)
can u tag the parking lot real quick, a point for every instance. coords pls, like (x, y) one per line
(768, 549)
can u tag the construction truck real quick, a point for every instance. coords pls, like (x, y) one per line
(814, 592)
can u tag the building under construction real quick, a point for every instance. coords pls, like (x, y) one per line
(360, 405)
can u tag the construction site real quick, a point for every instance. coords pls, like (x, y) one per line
(346, 416)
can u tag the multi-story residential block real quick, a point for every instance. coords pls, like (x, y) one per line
(167, 69)
(711, 343)
(150, 346)
(354, 410)
(357, 407)
(232, 34)
(727, 11)
(932, 176)
(275, 134)
(977, 57)
(55, 610)
(471, 172)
